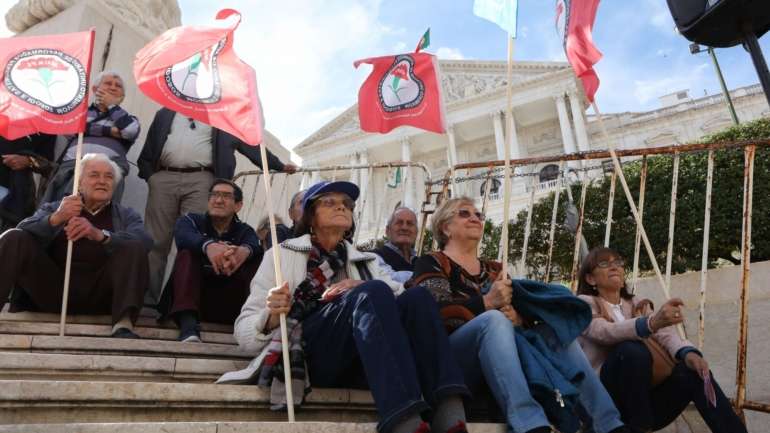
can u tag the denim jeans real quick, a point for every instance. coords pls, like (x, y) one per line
(399, 342)
(485, 348)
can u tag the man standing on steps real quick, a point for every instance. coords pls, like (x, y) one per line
(109, 253)
(397, 255)
(217, 257)
(180, 159)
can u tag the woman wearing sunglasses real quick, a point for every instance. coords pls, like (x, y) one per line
(651, 373)
(478, 311)
(350, 325)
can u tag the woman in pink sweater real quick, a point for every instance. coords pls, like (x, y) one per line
(614, 343)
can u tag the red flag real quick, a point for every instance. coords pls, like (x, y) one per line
(401, 90)
(575, 22)
(194, 71)
(44, 84)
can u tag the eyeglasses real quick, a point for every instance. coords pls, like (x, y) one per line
(604, 264)
(465, 214)
(331, 202)
(213, 195)
(192, 123)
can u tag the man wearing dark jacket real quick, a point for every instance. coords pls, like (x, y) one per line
(217, 257)
(109, 253)
(180, 160)
(19, 159)
(397, 256)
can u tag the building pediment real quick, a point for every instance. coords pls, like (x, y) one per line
(716, 123)
(461, 80)
(666, 138)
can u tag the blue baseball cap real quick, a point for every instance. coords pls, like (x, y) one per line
(325, 187)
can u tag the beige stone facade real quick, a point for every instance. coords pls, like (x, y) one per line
(550, 118)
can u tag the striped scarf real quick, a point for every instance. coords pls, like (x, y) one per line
(322, 266)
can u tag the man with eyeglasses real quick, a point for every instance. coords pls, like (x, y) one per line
(397, 255)
(217, 257)
(180, 159)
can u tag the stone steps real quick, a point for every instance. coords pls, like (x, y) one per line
(117, 346)
(219, 427)
(94, 367)
(61, 401)
(100, 326)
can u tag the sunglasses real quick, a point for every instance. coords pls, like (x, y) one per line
(223, 195)
(604, 264)
(331, 202)
(465, 214)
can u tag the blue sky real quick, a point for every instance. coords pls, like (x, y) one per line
(303, 50)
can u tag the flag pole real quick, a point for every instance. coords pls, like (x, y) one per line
(68, 262)
(507, 168)
(634, 210)
(278, 283)
(75, 182)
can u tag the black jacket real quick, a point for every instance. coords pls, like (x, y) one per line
(223, 149)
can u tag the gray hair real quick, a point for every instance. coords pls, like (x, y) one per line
(397, 210)
(98, 80)
(443, 215)
(100, 157)
(294, 198)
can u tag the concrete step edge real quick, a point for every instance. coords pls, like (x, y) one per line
(220, 427)
(56, 366)
(87, 330)
(119, 346)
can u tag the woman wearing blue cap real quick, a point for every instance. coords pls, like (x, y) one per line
(350, 325)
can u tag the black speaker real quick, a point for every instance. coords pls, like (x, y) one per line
(720, 23)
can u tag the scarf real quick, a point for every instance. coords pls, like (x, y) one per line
(322, 267)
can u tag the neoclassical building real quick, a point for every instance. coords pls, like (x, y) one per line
(549, 111)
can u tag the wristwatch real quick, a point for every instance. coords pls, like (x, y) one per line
(107, 236)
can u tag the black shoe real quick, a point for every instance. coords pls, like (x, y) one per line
(190, 335)
(124, 333)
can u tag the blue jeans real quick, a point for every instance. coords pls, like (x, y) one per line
(398, 342)
(485, 348)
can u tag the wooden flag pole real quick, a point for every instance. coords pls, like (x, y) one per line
(68, 262)
(278, 283)
(507, 169)
(634, 211)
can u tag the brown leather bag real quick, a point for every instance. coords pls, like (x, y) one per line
(662, 361)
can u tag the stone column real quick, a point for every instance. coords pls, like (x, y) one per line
(354, 172)
(513, 140)
(566, 129)
(580, 125)
(366, 193)
(407, 174)
(497, 121)
(452, 160)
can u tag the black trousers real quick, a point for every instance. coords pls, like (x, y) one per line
(627, 375)
(115, 286)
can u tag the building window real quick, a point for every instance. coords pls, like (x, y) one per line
(493, 189)
(549, 172)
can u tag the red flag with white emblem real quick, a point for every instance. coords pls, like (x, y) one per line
(401, 90)
(194, 71)
(44, 84)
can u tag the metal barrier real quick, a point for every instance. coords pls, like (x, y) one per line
(749, 153)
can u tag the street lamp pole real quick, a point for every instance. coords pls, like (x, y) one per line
(695, 49)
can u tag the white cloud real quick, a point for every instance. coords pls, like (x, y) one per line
(5, 5)
(449, 53)
(303, 53)
(648, 90)
(660, 16)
